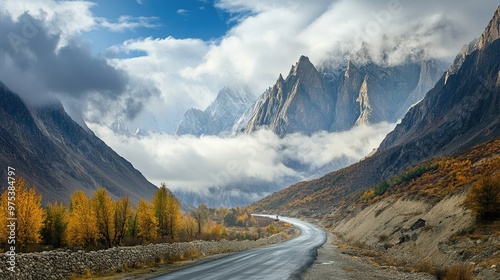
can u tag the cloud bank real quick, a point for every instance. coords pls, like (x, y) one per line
(191, 163)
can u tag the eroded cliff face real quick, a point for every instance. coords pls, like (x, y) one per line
(492, 31)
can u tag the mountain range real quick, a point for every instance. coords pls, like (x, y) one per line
(309, 100)
(460, 111)
(332, 99)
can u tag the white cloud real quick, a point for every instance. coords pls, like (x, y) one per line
(188, 162)
(64, 18)
(128, 22)
(183, 12)
(69, 18)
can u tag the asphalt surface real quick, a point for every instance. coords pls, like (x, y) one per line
(286, 260)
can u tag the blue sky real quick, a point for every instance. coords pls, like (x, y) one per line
(177, 18)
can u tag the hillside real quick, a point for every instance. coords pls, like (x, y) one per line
(58, 156)
(462, 110)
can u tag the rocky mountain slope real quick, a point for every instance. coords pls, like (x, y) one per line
(220, 116)
(463, 109)
(57, 155)
(311, 100)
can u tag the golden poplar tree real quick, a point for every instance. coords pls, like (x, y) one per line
(55, 224)
(147, 224)
(82, 224)
(104, 211)
(160, 205)
(188, 228)
(167, 212)
(174, 215)
(122, 213)
(29, 213)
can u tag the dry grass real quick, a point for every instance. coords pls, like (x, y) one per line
(459, 272)
(350, 269)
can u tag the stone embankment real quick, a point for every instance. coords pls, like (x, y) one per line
(64, 264)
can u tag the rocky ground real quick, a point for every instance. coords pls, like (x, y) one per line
(332, 263)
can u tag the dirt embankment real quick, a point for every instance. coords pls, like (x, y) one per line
(414, 235)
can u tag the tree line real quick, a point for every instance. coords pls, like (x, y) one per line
(98, 221)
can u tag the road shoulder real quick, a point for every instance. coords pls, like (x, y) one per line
(331, 263)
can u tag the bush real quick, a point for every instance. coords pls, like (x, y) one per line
(484, 198)
(460, 272)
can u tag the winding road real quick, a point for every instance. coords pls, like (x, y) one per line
(281, 261)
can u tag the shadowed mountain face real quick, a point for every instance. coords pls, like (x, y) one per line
(309, 100)
(57, 155)
(463, 109)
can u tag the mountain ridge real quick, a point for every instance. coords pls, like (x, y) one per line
(58, 156)
(309, 100)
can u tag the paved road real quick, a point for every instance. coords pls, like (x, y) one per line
(281, 261)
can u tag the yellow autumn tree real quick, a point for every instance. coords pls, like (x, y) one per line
(147, 224)
(188, 228)
(174, 214)
(166, 210)
(484, 198)
(122, 214)
(29, 213)
(104, 211)
(82, 224)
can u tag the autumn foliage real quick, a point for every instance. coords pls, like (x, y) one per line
(98, 221)
(29, 214)
(484, 198)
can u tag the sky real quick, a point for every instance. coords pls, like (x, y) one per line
(143, 63)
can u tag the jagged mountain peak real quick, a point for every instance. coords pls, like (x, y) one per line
(302, 66)
(492, 31)
(351, 68)
(220, 115)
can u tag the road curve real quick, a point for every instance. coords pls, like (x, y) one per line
(281, 261)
